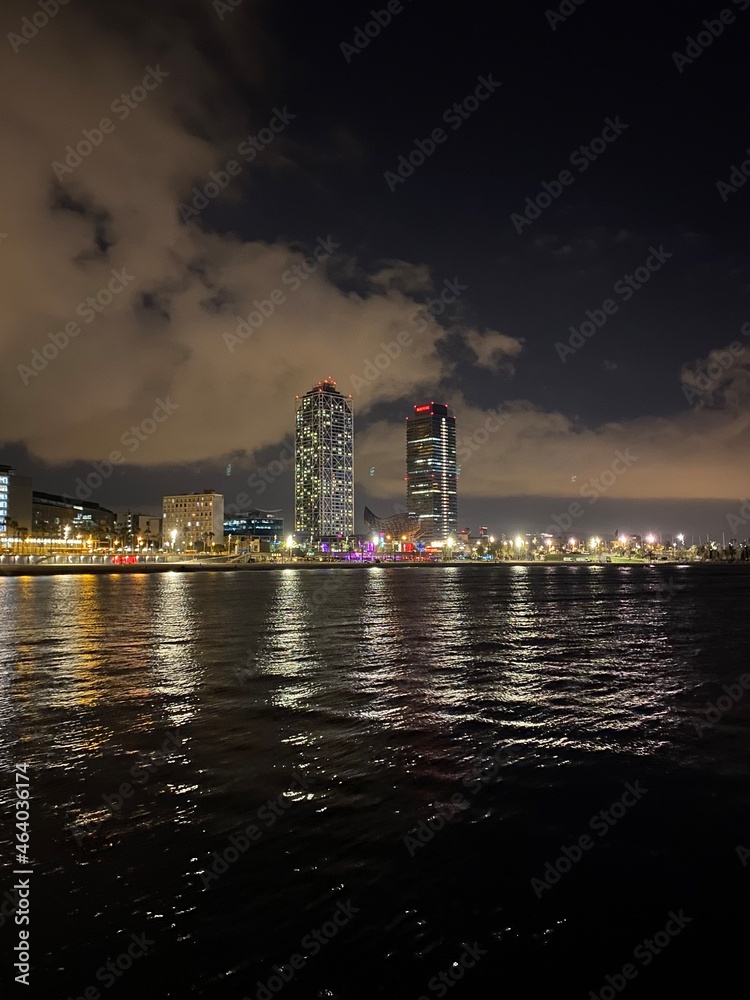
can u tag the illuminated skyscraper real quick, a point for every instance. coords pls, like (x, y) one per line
(324, 462)
(431, 483)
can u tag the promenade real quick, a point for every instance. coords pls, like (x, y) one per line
(222, 566)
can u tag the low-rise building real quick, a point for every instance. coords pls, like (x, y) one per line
(53, 513)
(143, 526)
(256, 524)
(193, 521)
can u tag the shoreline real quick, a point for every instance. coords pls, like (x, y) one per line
(98, 569)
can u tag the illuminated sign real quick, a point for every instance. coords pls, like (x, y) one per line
(422, 409)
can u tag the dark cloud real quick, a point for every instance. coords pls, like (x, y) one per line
(89, 205)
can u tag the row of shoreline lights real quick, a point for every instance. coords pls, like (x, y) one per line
(594, 543)
(520, 543)
(67, 540)
(449, 542)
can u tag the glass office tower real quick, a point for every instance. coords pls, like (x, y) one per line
(324, 463)
(431, 471)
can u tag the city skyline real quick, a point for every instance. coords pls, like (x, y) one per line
(568, 517)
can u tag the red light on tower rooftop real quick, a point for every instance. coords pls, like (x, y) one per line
(429, 407)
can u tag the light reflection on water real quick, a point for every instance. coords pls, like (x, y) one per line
(385, 688)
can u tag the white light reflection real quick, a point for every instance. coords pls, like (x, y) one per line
(174, 629)
(287, 647)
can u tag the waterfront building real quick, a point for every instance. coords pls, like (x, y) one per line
(256, 524)
(15, 501)
(431, 470)
(143, 526)
(324, 463)
(53, 513)
(147, 527)
(193, 520)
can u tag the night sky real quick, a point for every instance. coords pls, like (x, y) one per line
(183, 87)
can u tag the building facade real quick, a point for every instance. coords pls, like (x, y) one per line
(143, 526)
(324, 463)
(15, 501)
(193, 521)
(54, 513)
(256, 524)
(431, 470)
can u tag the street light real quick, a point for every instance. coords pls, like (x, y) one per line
(290, 544)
